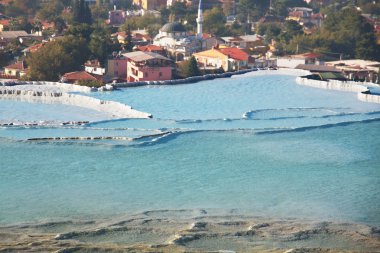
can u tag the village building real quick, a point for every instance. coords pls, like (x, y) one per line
(150, 4)
(77, 76)
(22, 36)
(139, 37)
(16, 70)
(142, 12)
(305, 17)
(11, 35)
(253, 44)
(94, 67)
(4, 25)
(116, 17)
(177, 42)
(147, 66)
(33, 48)
(228, 59)
(318, 68)
(174, 38)
(117, 68)
(152, 49)
(209, 41)
(292, 61)
(358, 70)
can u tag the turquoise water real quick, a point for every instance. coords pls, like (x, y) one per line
(297, 152)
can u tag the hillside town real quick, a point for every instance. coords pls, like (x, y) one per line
(94, 42)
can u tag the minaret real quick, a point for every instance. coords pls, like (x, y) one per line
(200, 21)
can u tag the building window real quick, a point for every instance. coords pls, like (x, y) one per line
(146, 74)
(160, 74)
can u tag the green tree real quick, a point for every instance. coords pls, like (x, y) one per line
(343, 32)
(123, 4)
(81, 13)
(214, 21)
(5, 57)
(270, 30)
(178, 10)
(140, 22)
(80, 30)
(57, 58)
(252, 9)
(98, 46)
(24, 8)
(20, 23)
(367, 48)
(280, 7)
(291, 29)
(190, 68)
(59, 25)
(129, 45)
(50, 10)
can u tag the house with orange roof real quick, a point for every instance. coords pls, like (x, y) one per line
(33, 48)
(17, 70)
(47, 25)
(4, 24)
(229, 58)
(75, 77)
(152, 48)
(139, 37)
(249, 43)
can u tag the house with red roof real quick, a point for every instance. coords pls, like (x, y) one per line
(229, 58)
(139, 37)
(75, 77)
(33, 48)
(152, 48)
(249, 43)
(16, 70)
(4, 24)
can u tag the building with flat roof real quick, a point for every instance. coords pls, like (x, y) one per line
(148, 66)
(292, 61)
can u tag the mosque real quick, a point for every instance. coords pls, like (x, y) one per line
(177, 41)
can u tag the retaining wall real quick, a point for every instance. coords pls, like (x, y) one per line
(188, 80)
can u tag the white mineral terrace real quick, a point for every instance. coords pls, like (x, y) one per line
(362, 91)
(51, 93)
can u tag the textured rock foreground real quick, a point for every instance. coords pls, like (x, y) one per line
(190, 231)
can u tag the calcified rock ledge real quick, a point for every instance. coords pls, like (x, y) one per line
(190, 231)
(58, 93)
(363, 93)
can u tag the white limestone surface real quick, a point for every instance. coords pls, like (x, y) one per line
(363, 91)
(369, 98)
(279, 71)
(58, 93)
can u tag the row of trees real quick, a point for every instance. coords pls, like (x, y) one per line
(82, 41)
(345, 32)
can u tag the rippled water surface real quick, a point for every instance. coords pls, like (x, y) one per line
(261, 144)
